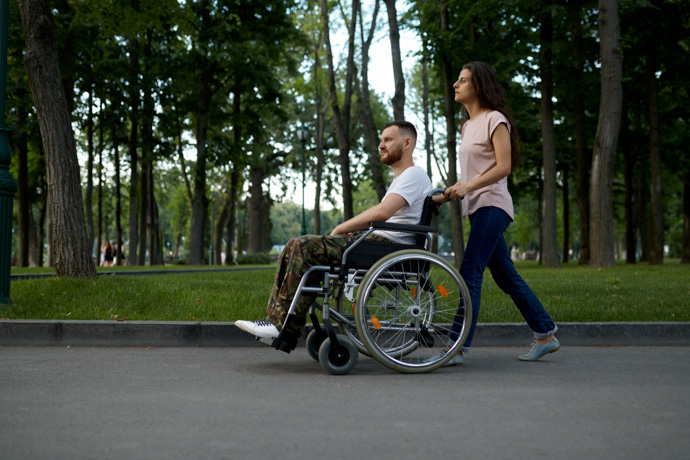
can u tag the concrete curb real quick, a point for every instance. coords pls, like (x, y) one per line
(224, 334)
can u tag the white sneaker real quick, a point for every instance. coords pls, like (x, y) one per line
(261, 328)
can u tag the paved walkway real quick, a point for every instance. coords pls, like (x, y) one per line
(64, 402)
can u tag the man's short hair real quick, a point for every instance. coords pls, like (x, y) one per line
(405, 127)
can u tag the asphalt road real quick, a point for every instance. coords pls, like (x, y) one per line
(247, 403)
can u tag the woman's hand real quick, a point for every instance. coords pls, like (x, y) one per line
(455, 192)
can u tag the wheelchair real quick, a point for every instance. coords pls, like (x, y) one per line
(400, 304)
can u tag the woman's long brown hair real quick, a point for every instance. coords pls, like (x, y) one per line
(491, 96)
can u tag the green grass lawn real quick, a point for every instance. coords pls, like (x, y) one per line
(626, 293)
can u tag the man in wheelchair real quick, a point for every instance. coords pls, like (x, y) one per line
(402, 204)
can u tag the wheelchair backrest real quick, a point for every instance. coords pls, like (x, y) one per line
(429, 209)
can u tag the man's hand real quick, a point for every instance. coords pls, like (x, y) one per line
(337, 231)
(381, 212)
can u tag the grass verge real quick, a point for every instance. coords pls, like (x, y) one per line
(625, 293)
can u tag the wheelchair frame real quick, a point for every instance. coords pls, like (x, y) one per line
(337, 352)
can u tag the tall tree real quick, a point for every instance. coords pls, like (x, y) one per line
(342, 114)
(606, 139)
(69, 236)
(584, 153)
(549, 251)
(134, 101)
(656, 225)
(207, 73)
(89, 170)
(394, 35)
(449, 113)
(366, 116)
(320, 109)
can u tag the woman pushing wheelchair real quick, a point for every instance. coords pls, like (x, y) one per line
(489, 151)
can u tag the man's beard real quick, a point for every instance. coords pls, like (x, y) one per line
(392, 157)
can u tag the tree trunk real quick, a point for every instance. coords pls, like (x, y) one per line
(89, 172)
(35, 246)
(42, 220)
(200, 201)
(566, 214)
(394, 34)
(342, 116)
(606, 139)
(235, 175)
(23, 200)
(685, 258)
(232, 215)
(68, 228)
(256, 209)
(549, 249)
(133, 142)
(425, 109)
(540, 217)
(629, 161)
(318, 139)
(584, 153)
(640, 200)
(366, 115)
(118, 199)
(143, 203)
(153, 222)
(449, 112)
(99, 205)
(656, 225)
(428, 143)
(220, 225)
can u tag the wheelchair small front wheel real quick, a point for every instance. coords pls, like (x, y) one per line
(314, 341)
(340, 358)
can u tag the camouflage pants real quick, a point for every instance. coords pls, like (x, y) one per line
(298, 256)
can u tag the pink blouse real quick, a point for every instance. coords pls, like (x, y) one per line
(477, 156)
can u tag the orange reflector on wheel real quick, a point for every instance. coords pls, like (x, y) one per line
(376, 323)
(414, 292)
(353, 308)
(442, 290)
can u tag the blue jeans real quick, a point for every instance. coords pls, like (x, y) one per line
(487, 247)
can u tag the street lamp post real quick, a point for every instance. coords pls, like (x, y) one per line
(8, 186)
(302, 135)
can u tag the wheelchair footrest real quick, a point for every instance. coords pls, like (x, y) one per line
(286, 344)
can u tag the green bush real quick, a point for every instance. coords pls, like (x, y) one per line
(259, 258)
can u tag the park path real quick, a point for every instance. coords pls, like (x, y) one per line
(247, 402)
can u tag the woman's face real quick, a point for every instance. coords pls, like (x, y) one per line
(464, 91)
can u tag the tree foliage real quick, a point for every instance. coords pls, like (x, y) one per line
(199, 103)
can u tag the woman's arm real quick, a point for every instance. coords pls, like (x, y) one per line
(501, 142)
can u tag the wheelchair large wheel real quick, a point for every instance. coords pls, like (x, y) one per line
(347, 308)
(413, 311)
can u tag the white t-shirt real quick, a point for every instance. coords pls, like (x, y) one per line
(414, 186)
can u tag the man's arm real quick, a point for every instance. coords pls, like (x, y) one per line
(381, 212)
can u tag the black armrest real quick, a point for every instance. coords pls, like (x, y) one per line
(379, 225)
